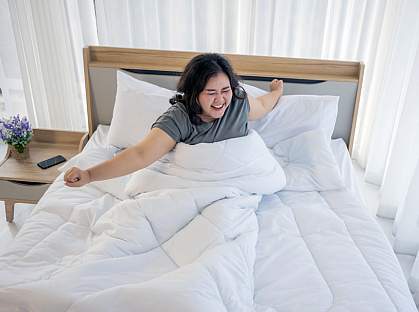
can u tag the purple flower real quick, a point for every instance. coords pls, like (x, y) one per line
(16, 131)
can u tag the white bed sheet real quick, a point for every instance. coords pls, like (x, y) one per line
(347, 172)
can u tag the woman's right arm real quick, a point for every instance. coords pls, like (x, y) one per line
(154, 146)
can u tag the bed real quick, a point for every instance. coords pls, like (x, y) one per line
(277, 234)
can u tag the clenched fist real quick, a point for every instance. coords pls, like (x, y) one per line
(277, 85)
(75, 177)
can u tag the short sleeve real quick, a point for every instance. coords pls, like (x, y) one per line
(246, 105)
(175, 122)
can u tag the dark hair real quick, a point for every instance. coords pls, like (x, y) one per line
(195, 77)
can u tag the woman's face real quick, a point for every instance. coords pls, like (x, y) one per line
(215, 97)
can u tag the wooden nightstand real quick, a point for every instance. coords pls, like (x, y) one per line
(22, 181)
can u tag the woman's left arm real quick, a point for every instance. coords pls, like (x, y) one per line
(262, 105)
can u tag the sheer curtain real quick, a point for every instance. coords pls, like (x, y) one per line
(387, 141)
(11, 89)
(320, 29)
(49, 38)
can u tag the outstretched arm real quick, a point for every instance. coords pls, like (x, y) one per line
(155, 145)
(262, 105)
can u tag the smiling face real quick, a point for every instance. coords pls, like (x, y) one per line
(215, 97)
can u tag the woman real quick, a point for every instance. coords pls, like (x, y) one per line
(210, 107)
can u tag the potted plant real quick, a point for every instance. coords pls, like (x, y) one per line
(17, 133)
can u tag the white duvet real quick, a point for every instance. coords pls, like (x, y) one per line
(316, 250)
(184, 241)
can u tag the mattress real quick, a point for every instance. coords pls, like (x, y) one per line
(316, 251)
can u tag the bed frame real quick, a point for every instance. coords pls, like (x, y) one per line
(301, 76)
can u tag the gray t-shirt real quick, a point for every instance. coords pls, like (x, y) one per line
(176, 123)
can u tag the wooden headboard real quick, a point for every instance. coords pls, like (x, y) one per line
(301, 76)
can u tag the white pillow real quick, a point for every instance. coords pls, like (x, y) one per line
(126, 82)
(308, 162)
(252, 90)
(93, 157)
(295, 114)
(137, 106)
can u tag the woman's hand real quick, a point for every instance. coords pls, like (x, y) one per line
(277, 85)
(76, 177)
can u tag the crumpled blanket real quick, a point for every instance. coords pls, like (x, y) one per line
(184, 240)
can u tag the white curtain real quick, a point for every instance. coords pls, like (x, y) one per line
(388, 142)
(318, 29)
(10, 78)
(49, 36)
